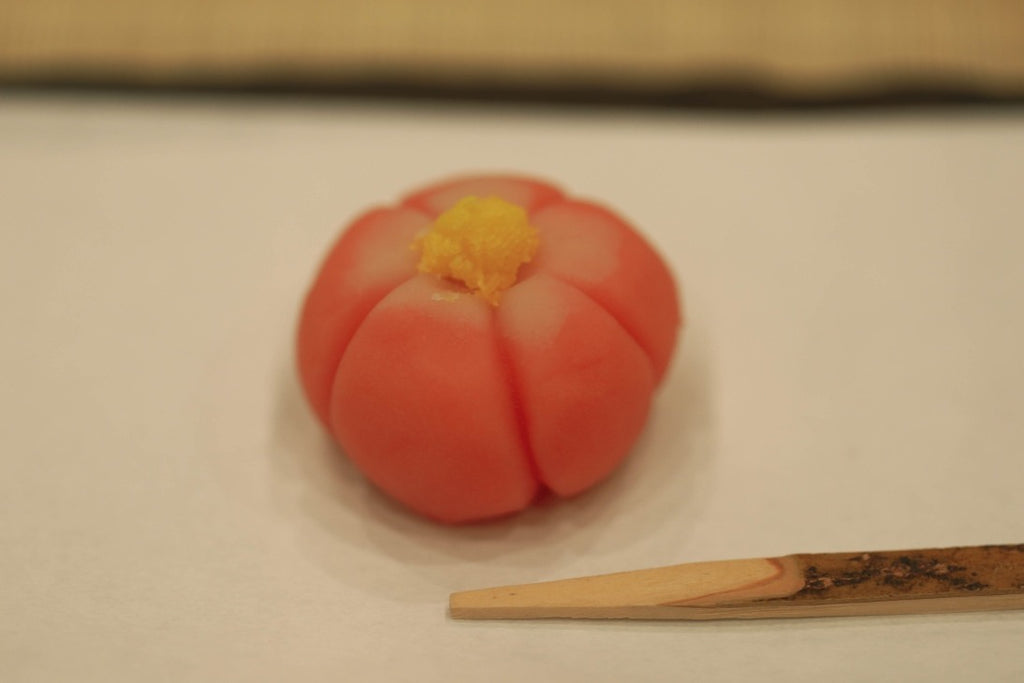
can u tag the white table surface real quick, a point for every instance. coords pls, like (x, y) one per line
(851, 378)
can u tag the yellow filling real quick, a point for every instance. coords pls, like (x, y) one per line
(481, 243)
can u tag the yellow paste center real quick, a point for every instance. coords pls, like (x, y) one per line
(481, 243)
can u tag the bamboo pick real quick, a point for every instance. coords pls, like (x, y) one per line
(964, 579)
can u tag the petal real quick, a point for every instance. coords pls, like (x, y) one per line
(371, 258)
(525, 192)
(599, 253)
(423, 405)
(584, 384)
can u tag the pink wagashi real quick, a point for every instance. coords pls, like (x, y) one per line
(524, 359)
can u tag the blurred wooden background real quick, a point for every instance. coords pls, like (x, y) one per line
(800, 48)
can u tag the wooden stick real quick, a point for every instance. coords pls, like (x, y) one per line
(967, 579)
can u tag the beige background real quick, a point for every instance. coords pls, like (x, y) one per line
(851, 379)
(808, 48)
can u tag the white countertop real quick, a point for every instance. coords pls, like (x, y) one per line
(851, 379)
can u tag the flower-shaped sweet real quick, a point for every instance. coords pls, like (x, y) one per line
(484, 340)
